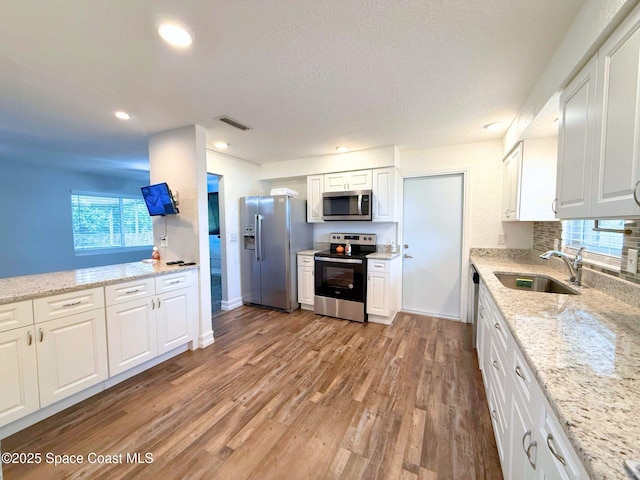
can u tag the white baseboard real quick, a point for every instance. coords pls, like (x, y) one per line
(231, 304)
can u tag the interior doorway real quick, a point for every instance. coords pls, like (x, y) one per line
(432, 245)
(213, 188)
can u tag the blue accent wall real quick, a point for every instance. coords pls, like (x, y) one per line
(35, 218)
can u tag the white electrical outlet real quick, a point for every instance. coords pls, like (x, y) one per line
(164, 241)
(632, 261)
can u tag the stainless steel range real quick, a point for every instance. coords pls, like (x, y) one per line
(341, 276)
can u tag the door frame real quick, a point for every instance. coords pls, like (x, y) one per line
(466, 205)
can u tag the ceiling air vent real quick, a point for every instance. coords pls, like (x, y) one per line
(234, 123)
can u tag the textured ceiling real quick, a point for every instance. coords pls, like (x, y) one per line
(307, 75)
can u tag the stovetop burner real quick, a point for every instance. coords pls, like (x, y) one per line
(361, 244)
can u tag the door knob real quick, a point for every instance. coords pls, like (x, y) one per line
(407, 256)
(406, 246)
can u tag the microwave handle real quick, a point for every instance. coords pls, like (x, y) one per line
(360, 204)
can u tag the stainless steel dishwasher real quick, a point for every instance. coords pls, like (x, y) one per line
(472, 310)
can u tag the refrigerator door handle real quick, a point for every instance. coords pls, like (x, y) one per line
(259, 238)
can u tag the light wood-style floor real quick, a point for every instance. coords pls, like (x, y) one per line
(287, 396)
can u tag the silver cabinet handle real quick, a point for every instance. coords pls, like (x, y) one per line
(158, 303)
(497, 325)
(635, 192)
(175, 282)
(481, 311)
(30, 338)
(153, 304)
(496, 365)
(553, 450)
(494, 414)
(41, 332)
(554, 205)
(524, 437)
(519, 373)
(72, 304)
(129, 292)
(533, 444)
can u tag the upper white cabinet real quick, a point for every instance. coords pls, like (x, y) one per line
(315, 188)
(342, 181)
(529, 173)
(616, 167)
(385, 190)
(575, 144)
(598, 150)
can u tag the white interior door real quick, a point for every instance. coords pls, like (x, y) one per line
(432, 245)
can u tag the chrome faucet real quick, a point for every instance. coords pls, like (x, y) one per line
(573, 264)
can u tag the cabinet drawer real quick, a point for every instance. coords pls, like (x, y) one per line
(173, 281)
(522, 375)
(378, 266)
(66, 304)
(500, 332)
(305, 260)
(559, 452)
(123, 292)
(497, 366)
(16, 315)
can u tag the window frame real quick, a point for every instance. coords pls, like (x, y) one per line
(603, 260)
(82, 252)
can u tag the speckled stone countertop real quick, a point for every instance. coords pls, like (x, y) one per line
(585, 352)
(27, 287)
(383, 256)
(308, 253)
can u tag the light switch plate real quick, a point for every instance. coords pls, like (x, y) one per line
(632, 260)
(164, 241)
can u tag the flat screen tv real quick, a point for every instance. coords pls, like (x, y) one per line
(159, 199)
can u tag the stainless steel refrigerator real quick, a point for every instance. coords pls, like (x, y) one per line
(274, 228)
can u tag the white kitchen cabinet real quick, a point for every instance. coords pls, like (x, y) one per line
(383, 294)
(19, 386)
(616, 166)
(511, 183)
(148, 317)
(529, 174)
(521, 416)
(345, 181)
(315, 188)
(72, 354)
(575, 144)
(306, 281)
(15, 315)
(385, 191)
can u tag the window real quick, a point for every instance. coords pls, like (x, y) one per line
(580, 233)
(104, 223)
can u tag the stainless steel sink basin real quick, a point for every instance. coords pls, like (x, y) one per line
(533, 283)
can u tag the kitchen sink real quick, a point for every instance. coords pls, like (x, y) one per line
(533, 283)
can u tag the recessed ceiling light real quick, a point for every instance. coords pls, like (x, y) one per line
(176, 34)
(342, 149)
(494, 127)
(221, 145)
(122, 115)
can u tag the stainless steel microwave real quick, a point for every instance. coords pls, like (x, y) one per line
(353, 205)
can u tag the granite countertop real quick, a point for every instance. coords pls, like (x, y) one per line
(584, 351)
(383, 256)
(27, 287)
(308, 253)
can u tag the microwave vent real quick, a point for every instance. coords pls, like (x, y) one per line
(234, 123)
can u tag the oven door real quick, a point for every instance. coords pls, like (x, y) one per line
(342, 278)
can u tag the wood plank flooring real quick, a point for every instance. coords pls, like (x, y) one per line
(287, 396)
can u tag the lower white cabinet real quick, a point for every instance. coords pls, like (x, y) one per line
(383, 293)
(158, 319)
(531, 443)
(72, 354)
(306, 281)
(19, 385)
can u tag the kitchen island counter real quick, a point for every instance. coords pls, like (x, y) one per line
(28, 287)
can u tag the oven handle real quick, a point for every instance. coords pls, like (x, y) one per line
(360, 204)
(338, 260)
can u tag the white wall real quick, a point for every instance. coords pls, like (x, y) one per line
(239, 179)
(483, 163)
(178, 157)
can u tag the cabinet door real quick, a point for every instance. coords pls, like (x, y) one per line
(511, 168)
(19, 385)
(384, 195)
(359, 180)
(315, 188)
(175, 316)
(131, 331)
(72, 354)
(575, 144)
(617, 163)
(378, 289)
(14, 315)
(523, 444)
(336, 182)
(306, 284)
